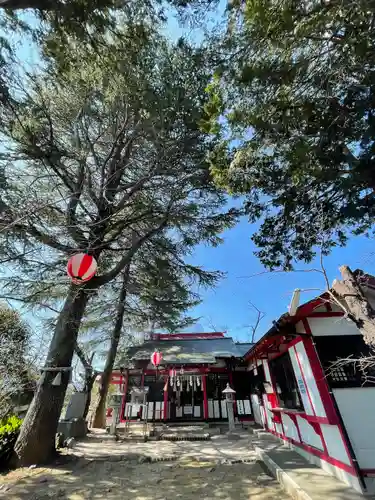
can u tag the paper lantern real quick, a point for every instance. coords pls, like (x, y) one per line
(81, 267)
(156, 358)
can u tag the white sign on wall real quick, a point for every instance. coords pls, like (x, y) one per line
(301, 385)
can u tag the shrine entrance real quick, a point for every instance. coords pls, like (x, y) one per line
(185, 398)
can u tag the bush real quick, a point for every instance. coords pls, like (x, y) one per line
(9, 430)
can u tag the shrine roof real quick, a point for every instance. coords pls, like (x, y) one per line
(189, 351)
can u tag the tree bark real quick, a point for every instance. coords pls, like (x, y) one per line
(36, 442)
(99, 416)
(90, 376)
(349, 291)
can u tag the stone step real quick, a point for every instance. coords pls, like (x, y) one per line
(185, 437)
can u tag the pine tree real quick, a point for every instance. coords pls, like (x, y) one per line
(102, 158)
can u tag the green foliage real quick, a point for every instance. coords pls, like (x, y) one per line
(124, 115)
(9, 430)
(15, 380)
(297, 93)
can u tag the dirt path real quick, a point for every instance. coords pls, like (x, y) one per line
(101, 469)
(91, 480)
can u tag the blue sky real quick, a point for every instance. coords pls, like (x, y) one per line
(227, 306)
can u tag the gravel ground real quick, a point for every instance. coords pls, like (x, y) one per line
(99, 468)
(183, 479)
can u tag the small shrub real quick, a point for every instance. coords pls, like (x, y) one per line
(9, 430)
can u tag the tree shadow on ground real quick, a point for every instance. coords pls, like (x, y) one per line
(114, 480)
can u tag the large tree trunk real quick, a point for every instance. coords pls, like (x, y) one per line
(36, 442)
(90, 379)
(99, 416)
(350, 293)
(90, 376)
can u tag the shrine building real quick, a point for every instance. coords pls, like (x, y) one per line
(187, 385)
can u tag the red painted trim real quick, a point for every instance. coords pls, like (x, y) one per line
(123, 402)
(190, 369)
(304, 381)
(275, 401)
(306, 326)
(368, 471)
(318, 453)
(309, 418)
(205, 400)
(325, 314)
(186, 336)
(293, 342)
(165, 406)
(319, 432)
(321, 381)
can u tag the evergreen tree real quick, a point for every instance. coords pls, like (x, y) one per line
(292, 102)
(16, 385)
(102, 158)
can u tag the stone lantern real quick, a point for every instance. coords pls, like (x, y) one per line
(229, 398)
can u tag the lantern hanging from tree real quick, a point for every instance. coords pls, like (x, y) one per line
(156, 358)
(81, 267)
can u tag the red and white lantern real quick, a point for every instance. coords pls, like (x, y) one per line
(156, 358)
(81, 267)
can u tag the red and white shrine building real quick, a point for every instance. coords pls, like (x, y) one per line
(323, 409)
(188, 384)
(286, 383)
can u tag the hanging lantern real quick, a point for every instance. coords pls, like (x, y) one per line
(156, 358)
(81, 267)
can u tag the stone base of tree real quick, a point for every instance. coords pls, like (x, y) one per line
(74, 428)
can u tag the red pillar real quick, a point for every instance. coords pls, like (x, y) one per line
(165, 410)
(125, 387)
(205, 401)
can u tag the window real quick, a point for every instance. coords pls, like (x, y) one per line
(332, 348)
(257, 381)
(156, 387)
(286, 384)
(241, 384)
(216, 383)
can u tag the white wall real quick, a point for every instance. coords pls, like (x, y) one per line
(314, 393)
(335, 325)
(290, 428)
(308, 434)
(267, 374)
(334, 442)
(300, 382)
(256, 405)
(357, 408)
